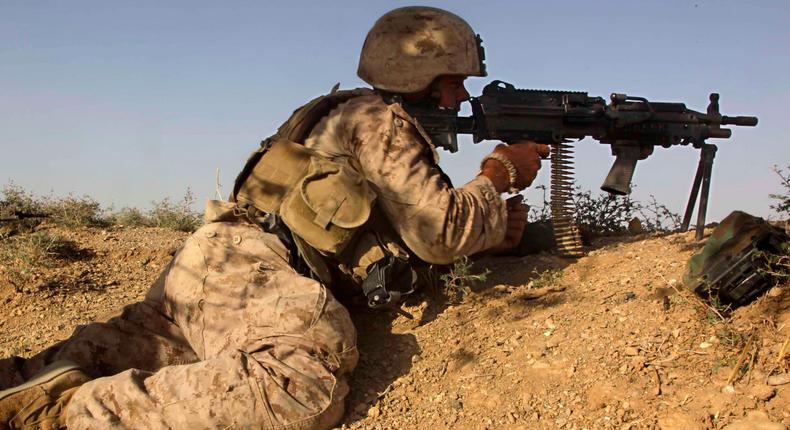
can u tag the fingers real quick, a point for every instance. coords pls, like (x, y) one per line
(543, 150)
(526, 159)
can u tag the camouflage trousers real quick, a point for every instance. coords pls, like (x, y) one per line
(229, 336)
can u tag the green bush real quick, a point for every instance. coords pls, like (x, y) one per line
(459, 280)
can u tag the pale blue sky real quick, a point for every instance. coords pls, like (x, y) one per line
(131, 102)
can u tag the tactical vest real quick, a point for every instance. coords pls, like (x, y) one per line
(323, 201)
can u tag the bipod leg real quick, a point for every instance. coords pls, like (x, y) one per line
(694, 192)
(701, 179)
(708, 154)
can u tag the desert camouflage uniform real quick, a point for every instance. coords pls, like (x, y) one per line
(230, 336)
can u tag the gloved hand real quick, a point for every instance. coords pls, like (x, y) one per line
(524, 157)
(517, 213)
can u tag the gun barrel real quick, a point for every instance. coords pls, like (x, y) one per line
(719, 133)
(746, 121)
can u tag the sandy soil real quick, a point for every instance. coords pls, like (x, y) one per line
(608, 344)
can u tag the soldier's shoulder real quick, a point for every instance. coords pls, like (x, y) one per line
(366, 104)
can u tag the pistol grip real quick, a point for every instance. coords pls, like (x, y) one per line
(618, 181)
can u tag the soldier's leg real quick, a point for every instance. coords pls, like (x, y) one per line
(141, 337)
(276, 346)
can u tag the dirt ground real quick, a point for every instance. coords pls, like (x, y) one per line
(607, 343)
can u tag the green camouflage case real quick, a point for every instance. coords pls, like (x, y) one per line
(727, 267)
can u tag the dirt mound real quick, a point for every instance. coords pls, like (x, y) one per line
(91, 276)
(605, 341)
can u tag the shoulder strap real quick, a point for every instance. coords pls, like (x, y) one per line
(298, 127)
(302, 121)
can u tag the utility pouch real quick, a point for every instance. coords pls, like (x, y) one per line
(280, 166)
(729, 266)
(328, 205)
(387, 281)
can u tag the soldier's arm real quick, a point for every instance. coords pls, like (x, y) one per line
(436, 221)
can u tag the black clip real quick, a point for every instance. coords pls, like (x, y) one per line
(375, 285)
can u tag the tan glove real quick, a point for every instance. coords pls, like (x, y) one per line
(517, 213)
(513, 167)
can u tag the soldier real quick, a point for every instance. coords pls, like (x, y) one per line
(241, 329)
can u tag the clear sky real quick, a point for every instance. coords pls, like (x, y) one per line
(133, 101)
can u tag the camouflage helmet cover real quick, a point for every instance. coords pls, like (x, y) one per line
(409, 47)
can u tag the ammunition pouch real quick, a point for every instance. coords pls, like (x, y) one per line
(271, 173)
(318, 205)
(327, 206)
(390, 272)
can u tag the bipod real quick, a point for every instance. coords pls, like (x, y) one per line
(704, 169)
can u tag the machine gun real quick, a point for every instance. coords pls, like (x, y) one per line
(633, 126)
(12, 216)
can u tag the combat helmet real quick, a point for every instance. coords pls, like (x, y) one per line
(407, 48)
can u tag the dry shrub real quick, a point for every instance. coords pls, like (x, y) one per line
(23, 258)
(177, 216)
(70, 211)
(129, 217)
(782, 206)
(604, 214)
(76, 211)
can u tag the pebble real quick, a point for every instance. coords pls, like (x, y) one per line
(639, 362)
(763, 393)
(374, 412)
(631, 351)
(782, 379)
(678, 421)
(755, 420)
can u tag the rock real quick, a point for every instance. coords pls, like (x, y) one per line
(598, 396)
(782, 379)
(638, 362)
(678, 421)
(762, 393)
(755, 420)
(374, 412)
